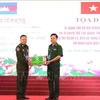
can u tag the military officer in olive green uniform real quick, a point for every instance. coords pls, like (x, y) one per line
(22, 67)
(55, 52)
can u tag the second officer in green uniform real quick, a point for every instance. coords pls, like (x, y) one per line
(55, 52)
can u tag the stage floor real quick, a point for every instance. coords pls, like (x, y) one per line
(13, 97)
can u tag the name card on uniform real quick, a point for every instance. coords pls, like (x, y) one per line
(38, 60)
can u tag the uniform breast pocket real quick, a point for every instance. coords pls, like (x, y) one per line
(55, 50)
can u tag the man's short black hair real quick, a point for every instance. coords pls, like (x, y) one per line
(22, 36)
(54, 34)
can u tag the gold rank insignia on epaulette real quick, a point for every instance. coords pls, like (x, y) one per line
(19, 45)
(57, 44)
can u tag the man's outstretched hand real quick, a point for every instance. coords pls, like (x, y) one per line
(29, 62)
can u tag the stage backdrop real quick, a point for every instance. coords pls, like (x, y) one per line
(76, 23)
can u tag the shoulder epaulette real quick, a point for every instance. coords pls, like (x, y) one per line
(58, 44)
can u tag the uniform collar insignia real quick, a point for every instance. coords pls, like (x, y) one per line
(55, 44)
(22, 45)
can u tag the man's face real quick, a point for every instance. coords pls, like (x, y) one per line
(53, 39)
(23, 40)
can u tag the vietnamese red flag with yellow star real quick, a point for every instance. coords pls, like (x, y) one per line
(90, 7)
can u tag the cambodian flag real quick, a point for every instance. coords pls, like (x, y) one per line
(8, 8)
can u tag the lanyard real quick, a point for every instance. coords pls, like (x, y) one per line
(26, 52)
(51, 49)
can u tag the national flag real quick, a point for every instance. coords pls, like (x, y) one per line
(90, 7)
(8, 8)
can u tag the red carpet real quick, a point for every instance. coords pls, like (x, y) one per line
(12, 97)
(39, 86)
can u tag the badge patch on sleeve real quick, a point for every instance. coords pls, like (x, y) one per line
(18, 49)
